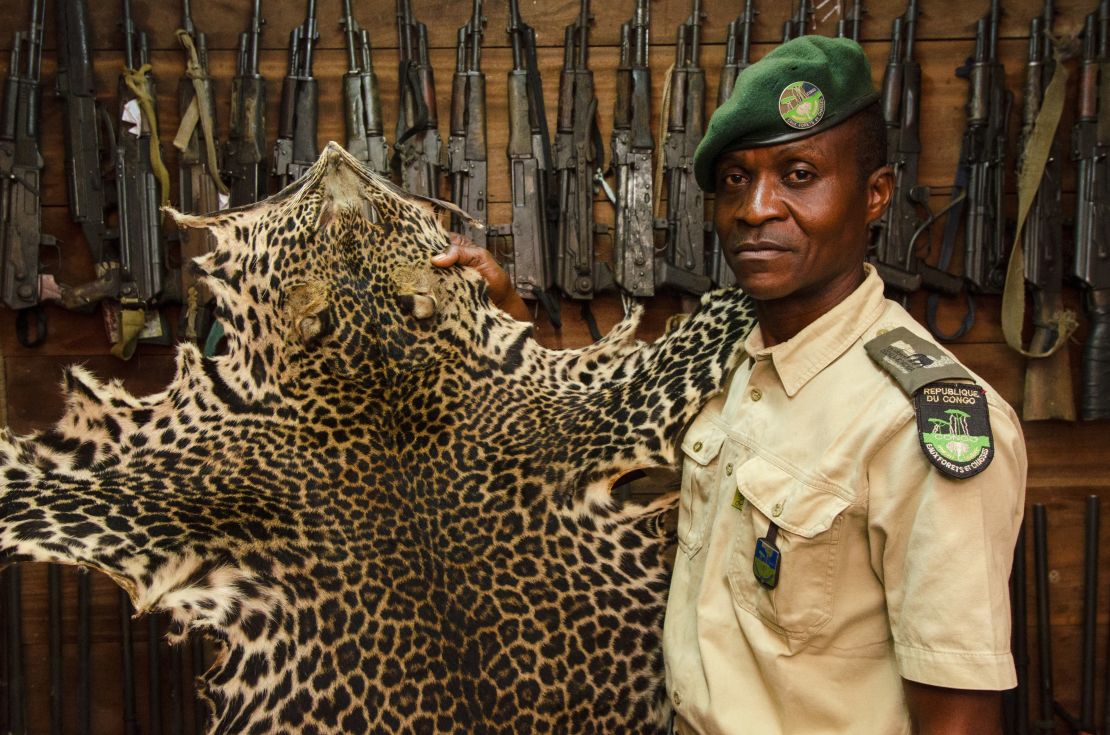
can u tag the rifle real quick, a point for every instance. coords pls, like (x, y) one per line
(978, 189)
(466, 146)
(1090, 616)
(683, 264)
(797, 24)
(142, 187)
(849, 24)
(90, 148)
(630, 160)
(201, 188)
(1091, 151)
(578, 153)
(738, 50)
(1048, 391)
(361, 101)
(295, 150)
(895, 233)
(245, 152)
(529, 264)
(419, 149)
(21, 165)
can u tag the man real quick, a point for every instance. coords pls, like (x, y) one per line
(851, 499)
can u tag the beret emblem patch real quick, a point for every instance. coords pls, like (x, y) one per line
(801, 105)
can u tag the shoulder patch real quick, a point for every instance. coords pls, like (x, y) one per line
(953, 424)
(912, 361)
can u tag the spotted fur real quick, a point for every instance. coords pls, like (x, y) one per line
(387, 502)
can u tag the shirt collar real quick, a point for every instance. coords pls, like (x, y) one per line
(814, 348)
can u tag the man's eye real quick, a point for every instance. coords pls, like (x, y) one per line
(733, 179)
(800, 174)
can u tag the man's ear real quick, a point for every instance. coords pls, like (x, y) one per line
(880, 188)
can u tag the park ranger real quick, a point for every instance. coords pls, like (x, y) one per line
(851, 499)
(850, 502)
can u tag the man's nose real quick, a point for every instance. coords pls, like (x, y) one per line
(761, 204)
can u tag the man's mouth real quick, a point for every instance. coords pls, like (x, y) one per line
(757, 248)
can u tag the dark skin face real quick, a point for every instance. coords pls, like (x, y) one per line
(793, 221)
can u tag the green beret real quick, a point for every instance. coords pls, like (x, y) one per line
(803, 87)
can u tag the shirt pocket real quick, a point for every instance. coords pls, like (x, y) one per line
(810, 520)
(701, 447)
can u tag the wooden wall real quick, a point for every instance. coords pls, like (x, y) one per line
(1067, 461)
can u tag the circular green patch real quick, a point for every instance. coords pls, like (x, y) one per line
(801, 105)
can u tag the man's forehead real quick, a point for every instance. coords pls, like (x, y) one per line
(823, 146)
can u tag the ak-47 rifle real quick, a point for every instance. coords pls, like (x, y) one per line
(1048, 392)
(296, 149)
(682, 266)
(466, 146)
(418, 145)
(529, 264)
(1091, 151)
(361, 101)
(895, 234)
(90, 143)
(978, 189)
(201, 188)
(797, 24)
(578, 154)
(21, 165)
(630, 161)
(142, 187)
(738, 52)
(245, 153)
(849, 24)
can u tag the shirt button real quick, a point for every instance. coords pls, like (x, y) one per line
(728, 470)
(777, 510)
(697, 446)
(677, 700)
(756, 394)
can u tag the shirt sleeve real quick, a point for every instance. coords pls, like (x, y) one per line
(943, 548)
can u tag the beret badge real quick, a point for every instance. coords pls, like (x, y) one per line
(801, 105)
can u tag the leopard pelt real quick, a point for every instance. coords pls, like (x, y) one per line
(386, 502)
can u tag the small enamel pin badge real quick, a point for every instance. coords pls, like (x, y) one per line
(954, 427)
(801, 105)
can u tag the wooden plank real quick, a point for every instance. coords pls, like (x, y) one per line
(223, 20)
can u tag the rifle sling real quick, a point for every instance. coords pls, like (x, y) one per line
(138, 81)
(660, 162)
(199, 111)
(1035, 158)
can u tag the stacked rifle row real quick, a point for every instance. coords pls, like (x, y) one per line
(548, 248)
(977, 207)
(1047, 708)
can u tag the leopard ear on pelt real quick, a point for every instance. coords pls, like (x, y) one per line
(309, 310)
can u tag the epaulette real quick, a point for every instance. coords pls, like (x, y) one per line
(953, 423)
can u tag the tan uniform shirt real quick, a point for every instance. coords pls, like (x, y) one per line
(890, 569)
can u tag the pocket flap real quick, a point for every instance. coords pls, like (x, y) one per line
(703, 445)
(794, 504)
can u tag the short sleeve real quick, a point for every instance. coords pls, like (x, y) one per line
(943, 548)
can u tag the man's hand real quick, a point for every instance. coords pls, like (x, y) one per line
(465, 253)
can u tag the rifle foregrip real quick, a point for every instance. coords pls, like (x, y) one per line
(1095, 374)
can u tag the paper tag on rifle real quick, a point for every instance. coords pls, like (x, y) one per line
(133, 116)
(954, 427)
(913, 361)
